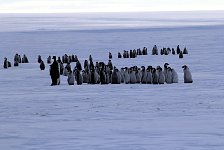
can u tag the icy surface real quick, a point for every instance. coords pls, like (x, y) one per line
(34, 115)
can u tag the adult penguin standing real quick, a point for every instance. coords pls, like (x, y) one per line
(187, 75)
(54, 72)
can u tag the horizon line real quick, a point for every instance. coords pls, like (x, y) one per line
(152, 11)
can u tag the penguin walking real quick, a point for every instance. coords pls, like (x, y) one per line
(187, 75)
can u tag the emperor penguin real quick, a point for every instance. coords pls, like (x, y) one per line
(185, 51)
(16, 58)
(122, 74)
(144, 75)
(161, 77)
(42, 66)
(132, 76)
(181, 54)
(165, 71)
(85, 76)
(39, 59)
(25, 59)
(126, 76)
(187, 75)
(178, 49)
(5, 63)
(61, 68)
(173, 51)
(138, 76)
(78, 77)
(149, 75)
(49, 59)
(16, 63)
(114, 77)
(155, 50)
(110, 55)
(169, 79)
(155, 76)
(174, 76)
(71, 78)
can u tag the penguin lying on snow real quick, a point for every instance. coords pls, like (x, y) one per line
(187, 75)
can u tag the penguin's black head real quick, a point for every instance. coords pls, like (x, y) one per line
(184, 66)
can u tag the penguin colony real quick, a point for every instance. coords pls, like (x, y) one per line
(106, 73)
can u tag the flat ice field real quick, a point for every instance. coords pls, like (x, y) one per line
(35, 115)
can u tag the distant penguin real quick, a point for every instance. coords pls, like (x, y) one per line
(39, 59)
(71, 78)
(25, 59)
(16, 58)
(42, 66)
(181, 54)
(173, 51)
(119, 55)
(110, 55)
(49, 59)
(161, 77)
(155, 50)
(5, 65)
(174, 76)
(16, 63)
(187, 75)
(178, 49)
(169, 79)
(185, 51)
(155, 76)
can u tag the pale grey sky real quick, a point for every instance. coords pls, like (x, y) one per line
(57, 6)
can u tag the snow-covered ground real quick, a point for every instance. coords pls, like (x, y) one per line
(35, 115)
